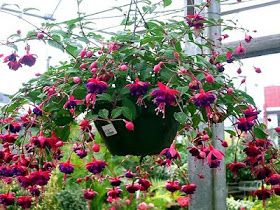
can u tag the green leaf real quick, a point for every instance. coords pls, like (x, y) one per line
(103, 113)
(259, 133)
(127, 113)
(63, 132)
(61, 117)
(181, 117)
(196, 119)
(105, 97)
(246, 97)
(13, 106)
(117, 112)
(129, 109)
(167, 2)
(70, 49)
(178, 47)
(231, 132)
(183, 90)
(55, 44)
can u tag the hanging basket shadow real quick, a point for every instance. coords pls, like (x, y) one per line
(151, 134)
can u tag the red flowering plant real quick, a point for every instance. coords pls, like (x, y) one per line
(114, 85)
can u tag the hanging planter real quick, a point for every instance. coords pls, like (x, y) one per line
(151, 133)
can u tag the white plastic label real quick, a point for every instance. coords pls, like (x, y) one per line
(109, 130)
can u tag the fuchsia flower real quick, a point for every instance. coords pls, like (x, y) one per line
(157, 67)
(252, 150)
(144, 206)
(194, 84)
(89, 194)
(50, 90)
(28, 59)
(96, 166)
(183, 201)
(94, 87)
(138, 89)
(14, 127)
(71, 104)
(38, 110)
(95, 147)
(172, 186)
(145, 184)
(39, 177)
(251, 112)
(240, 49)
(113, 194)
(248, 38)
(24, 201)
(277, 129)
(262, 172)
(276, 190)
(129, 174)
(12, 61)
(113, 47)
(235, 167)
(189, 188)
(115, 181)
(129, 125)
(19, 170)
(196, 21)
(132, 188)
(123, 67)
(229, 57)
(263, 193)
(83, 53)
(170, 153)
(66, 167)
(214, 157)
(8, 137)
(245, 124)
(85, 125)
(209, 78)
(274, 179)
(220, 67)
(24, 181)
(39, 141)
(164, 96)
(203, 99)
(257, 70)
(81, 153)
(7, 199)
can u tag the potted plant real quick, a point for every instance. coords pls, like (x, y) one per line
(140, 90)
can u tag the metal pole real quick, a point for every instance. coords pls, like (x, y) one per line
(211, 190)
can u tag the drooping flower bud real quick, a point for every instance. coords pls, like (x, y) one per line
(129, 125)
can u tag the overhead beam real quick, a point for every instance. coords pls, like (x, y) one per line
(246, 8)
(259, 46)
(26, 13)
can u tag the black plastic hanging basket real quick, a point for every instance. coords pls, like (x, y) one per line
(151, 134)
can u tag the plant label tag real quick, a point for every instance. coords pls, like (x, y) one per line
(109, 130)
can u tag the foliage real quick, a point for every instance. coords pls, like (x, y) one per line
(71, 199)
(271, 204)
(50, 200)
(238, 204)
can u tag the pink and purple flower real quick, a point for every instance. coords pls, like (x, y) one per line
(164, 96)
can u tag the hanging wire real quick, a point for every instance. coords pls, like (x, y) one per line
(56, 7)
